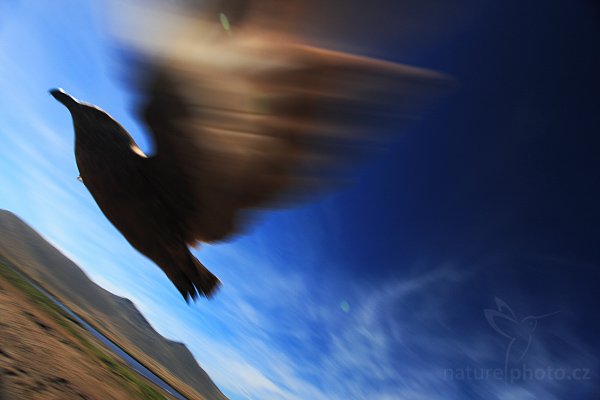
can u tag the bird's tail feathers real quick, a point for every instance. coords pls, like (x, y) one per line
(189, 276)
(204, 281)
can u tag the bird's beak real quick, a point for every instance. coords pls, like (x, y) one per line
(64, 98)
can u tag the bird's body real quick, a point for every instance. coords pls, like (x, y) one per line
(120, 179)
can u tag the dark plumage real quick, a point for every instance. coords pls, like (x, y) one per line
(124, 183)
(239, 121)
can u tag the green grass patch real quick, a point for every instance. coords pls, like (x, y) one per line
(31, 292)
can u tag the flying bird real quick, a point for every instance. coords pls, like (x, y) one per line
(242, 117)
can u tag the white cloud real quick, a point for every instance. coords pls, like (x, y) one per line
(318, 353)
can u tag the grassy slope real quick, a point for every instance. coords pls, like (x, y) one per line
(134, 384)
(114, 316)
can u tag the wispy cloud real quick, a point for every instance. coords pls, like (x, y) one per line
(319, 352)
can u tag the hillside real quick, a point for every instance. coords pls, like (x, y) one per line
(46, 354)
(116, 317)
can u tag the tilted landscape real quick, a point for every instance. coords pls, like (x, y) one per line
(24, 250)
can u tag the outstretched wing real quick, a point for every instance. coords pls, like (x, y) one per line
(252, 118)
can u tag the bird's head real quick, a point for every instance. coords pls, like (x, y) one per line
(92, 124)
(80, 109)
(64, 98)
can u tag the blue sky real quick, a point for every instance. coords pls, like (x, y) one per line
(377, 291)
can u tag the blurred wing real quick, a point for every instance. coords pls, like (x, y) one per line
(255, 119)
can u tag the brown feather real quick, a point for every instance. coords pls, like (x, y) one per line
(241, 119)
